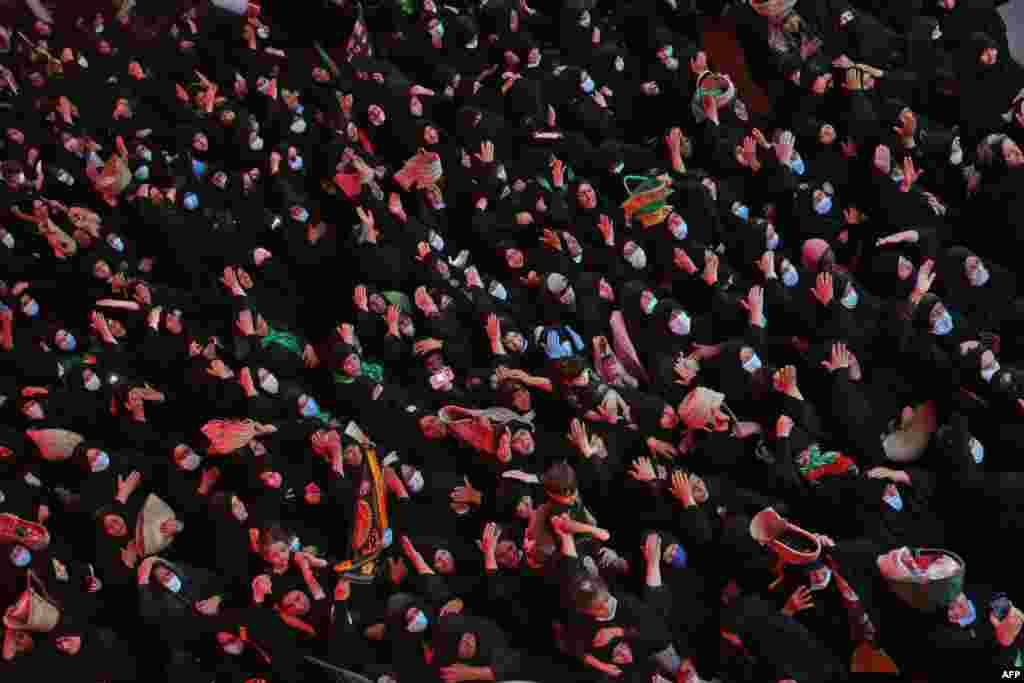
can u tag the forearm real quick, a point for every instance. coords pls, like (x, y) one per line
(7, 335)
(542, 383)
(652, 577)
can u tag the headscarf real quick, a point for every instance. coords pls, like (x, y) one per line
(811, 253)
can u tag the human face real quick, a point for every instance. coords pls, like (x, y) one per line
(415, 106)
(822, 84)
(430, 136)
(63, 340)
(827, 134)
(295, 603)
(522, 442)
(352, 366)
(572, 245)
(376, 115)
(698, 488)
(989, 56)
(938, 311)
(958, 609)
(114, 526)
(200, 143)
(432, 428)
(444, 562)
(605, 291)
(33, 410)
(1012, 155)
(646, 298)
(586, 197)
(602, 606)
(514, 342)
(521, 401)
(230, 643)
(467, 646)
(69, 645)
(668, 419)
(904, 268)
(622, 654)
(514, 258)
(277, 555)
(971, 265)
(508, 555)
(173, 323)
(699, 62)
(353, 455)
(15, 136)
(524, 508)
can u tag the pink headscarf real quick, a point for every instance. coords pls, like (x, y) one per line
(812, 252)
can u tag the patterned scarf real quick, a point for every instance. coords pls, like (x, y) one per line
(371, 534)
(820, 465)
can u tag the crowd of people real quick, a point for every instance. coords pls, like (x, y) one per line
(488, 341)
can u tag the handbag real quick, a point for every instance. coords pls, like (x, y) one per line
(34, 610)
(647, 199)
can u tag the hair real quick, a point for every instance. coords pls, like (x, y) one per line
(560, 479)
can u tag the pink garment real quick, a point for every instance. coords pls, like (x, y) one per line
(812, 252)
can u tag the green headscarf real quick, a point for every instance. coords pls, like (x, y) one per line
(373, 371)
(284, 339)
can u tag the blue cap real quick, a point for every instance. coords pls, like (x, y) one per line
(191, 201)
(198, 168)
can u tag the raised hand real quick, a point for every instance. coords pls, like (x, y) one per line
(486, 153)
(578, 437)
(681, 489)
(126, 486)
(488, 542)
(783, 426)
(493, 327)
(766, 264)
(754, 304)
(883, 159)
(642, 470)
(925, 277)
(785, 147)
(652, 548)
(682, 261)
(361, 299)
(551, 240)
(840, 358)
(823, 289)
(467, 494)
(710, 267)
(799, 601)
(557, 172)
(910, 174)
(607, 230)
